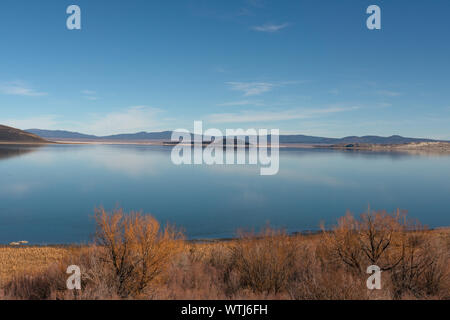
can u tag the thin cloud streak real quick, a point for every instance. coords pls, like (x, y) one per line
(240, 103)
(18, 88)
(270, 116)
(254, 88)
(270, 28)
(251, 88)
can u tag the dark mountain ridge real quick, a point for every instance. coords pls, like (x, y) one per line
(166, 136)
(69, 135)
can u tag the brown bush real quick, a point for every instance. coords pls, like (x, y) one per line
(414, 261)
(376, 238)
(264, 263)
(135, 248)
(191, 280)
(423, 271)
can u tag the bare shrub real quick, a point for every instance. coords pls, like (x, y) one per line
(376, 238)
(423, 271)
(315, 284)
(264, 263)
(414, 261)
(191, 281)
(320, 277)
(137, 249)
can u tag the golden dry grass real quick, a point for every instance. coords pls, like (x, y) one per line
(31, 260)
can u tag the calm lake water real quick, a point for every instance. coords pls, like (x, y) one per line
(48, 194)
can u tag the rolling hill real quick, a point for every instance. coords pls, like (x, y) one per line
(69, 135)
(166, 136)
(60, 134)
(12, 135)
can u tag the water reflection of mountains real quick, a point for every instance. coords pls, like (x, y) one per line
(12, 151)
(367, 154)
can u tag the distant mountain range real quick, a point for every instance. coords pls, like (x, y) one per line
(68, 135)
(166, 136)
(8, 134)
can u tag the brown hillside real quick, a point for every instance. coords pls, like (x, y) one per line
(11, 135)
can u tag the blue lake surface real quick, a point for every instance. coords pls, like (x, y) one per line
(48, 194)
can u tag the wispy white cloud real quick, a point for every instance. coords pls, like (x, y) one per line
(241, 103)
(268, 27)
(19, 88)
(130, 120)
(270, 116)
(252, 88)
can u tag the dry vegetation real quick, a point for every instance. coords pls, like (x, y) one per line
(134, 257)
(33, 260)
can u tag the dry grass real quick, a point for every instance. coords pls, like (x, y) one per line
(16, 261)
(134, 257)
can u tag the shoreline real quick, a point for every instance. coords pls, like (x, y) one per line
(306, 233)
(421, 146)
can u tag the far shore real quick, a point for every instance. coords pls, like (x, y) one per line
(164, 143)
(410, 148)
(305, 233)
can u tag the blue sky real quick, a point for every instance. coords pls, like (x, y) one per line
(303, 66)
